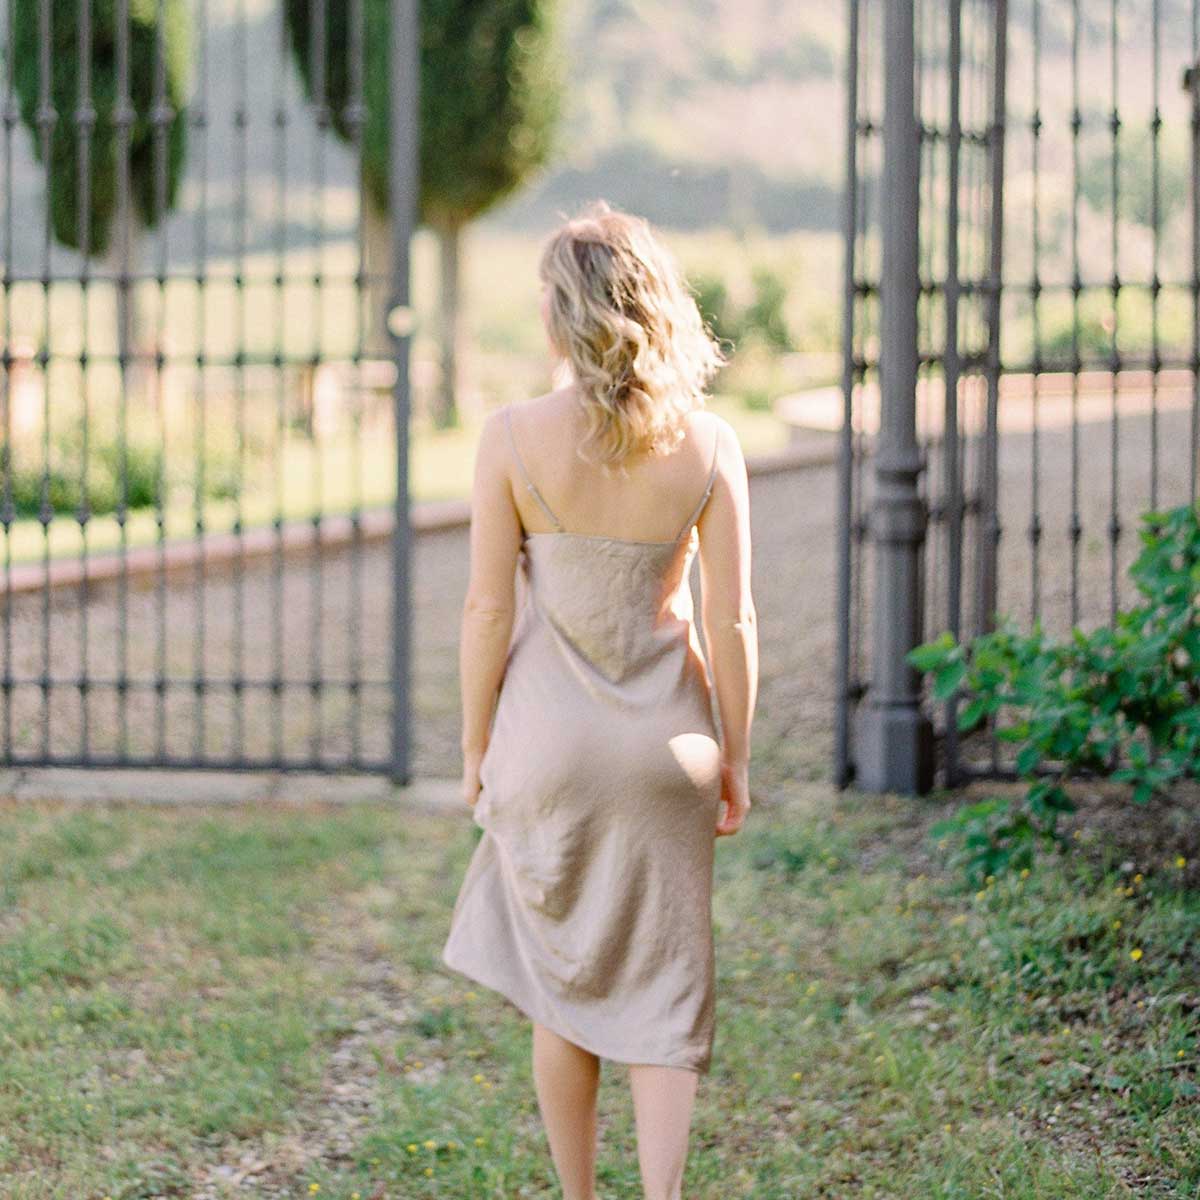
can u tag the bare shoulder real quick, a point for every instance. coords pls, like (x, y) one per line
(728, 447)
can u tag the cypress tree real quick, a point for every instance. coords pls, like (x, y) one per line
(56, 140)
(490, 100)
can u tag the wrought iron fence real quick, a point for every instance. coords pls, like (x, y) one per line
(205, 404)
(1057, 336)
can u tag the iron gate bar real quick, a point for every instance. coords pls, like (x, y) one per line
(143, 105)
(6, 282)
(123, 117)
(1114, 522)
(279, 432)
(845, 510)
(1035, 517)
(199, 128)
(317, 11)
(895, 742)
(1076, 526)
(161, 116)
(85, 118)
(1156, 122)
(355, 118)
(997, 131)
(950, 462)
(403, 202)
(1192, 83)
(241, 118)
(47, 118)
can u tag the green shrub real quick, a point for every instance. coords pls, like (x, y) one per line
(1123, 700)
(761, 320)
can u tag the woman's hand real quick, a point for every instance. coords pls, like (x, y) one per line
(471, 785)
(735, 797)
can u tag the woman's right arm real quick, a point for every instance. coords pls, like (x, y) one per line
(729, 620)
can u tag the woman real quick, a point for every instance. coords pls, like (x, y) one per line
(600, 780)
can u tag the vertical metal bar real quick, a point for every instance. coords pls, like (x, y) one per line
(123, 118)
(1114, 517)
(1076, 525)
(85, 121)
(1035, 298)
(1192, 81)
(363, 294)
(842, 771)
(7, 514)
(990, 528)
(281, 422)
(46, 120)
(403, 183)
(952, 483)
(896, 738)
(1155, 236)
(241, 120)
(318, 12)
(161, 117)
(199, 147)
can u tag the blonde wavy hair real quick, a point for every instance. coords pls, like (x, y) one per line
(628, 330)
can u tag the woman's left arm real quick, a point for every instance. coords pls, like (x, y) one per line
(489, 609)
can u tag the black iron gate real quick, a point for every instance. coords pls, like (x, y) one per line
(1022, 336)
(204, 317)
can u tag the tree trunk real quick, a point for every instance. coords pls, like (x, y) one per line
(445, 414)
(125, 301)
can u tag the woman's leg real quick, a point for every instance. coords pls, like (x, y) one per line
(662, 1106)
(567, 1078)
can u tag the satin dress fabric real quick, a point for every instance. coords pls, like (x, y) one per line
(587, 901)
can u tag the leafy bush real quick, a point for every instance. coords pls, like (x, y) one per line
(139, 464)
(761, 320)
(1123, 700)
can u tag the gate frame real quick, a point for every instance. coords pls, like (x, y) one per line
(894, 746)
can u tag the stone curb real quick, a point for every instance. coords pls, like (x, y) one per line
(171, 787)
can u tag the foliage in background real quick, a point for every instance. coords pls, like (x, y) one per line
(489, 96)
(63, 183)
(58, 482)
(762, 319)
(1123, 700)
(490, 102)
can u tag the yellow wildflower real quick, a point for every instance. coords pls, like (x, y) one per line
(1180, 861)
(1135, 953)
(797, 1076)
(477, 1078)
(430, 1144)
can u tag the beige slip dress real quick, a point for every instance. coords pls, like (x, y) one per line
(587, 902)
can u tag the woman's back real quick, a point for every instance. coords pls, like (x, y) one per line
(554, 489)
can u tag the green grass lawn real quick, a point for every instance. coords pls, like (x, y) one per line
(250, 1002)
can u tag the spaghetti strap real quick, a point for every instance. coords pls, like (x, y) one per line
(712, 475)
(525, 474)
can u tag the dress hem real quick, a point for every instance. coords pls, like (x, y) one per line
(509, 994)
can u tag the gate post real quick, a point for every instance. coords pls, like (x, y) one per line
(403, 183)
(895, 738)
